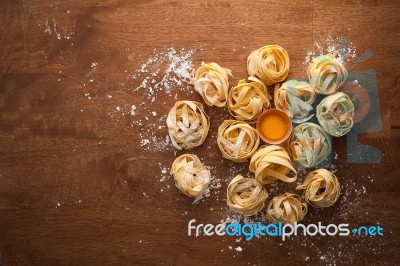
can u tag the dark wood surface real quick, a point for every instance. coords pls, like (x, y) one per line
(76, 186)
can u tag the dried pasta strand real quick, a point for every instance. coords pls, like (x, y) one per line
(190, 175)
(271, 163)
(327, 74)
(321, 188)
(309, 144)
(211, 82)
(237, 140)
(335, 113)
(295, 99)
(269, 63)
(248, 99)
(287, 208)
(188, 124)
(246, 195)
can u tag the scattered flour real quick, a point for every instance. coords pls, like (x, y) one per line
(164, 173)
(161, 75)
(132, 112)
(144, 142)
(339, 47)
(239, 249)
(60, 32)
(164, 71)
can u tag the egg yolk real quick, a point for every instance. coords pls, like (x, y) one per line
(273, 126)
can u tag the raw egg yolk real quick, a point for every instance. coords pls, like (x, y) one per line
(273, 126)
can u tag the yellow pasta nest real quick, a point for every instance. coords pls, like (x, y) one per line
(271, 163)
(335, 113)
(295, 99)
(190, 175)
(321, 188)
(269, 63)
(211, 82)
(188, 125)
(309, 145)
(248, 99)
(287, 208)
(237, 140)
(246, 195)
(327, 74)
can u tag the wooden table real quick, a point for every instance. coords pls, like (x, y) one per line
(80, 185)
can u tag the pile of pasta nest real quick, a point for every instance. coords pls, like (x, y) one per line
(308, 145)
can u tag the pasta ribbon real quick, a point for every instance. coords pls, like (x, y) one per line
(335, 113)
(246, 195)
(287, 208)
(270, 163)
(295, 99)
(190, 175)
(309, 144)
(327, 74)
(237, 140)
(211, 82)
(248, 99)
(321, 188)
(269, 63)
(188, 124)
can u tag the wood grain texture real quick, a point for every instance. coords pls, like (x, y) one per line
(76, 186)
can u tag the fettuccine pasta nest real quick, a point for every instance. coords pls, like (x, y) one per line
(188, 124)
(335, 113)
(309, 144)
(295, 99)
(190, 175)
(327, 74)
(248, 99)
(211, 82)
(321, 188)
(237, 140)
(246, 195)
(269, 63)
(271, 163)
(287, 208)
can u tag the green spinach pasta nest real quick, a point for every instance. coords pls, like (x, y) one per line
(327, 74)
(295, 99)
(309, 144)
(335, 113)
